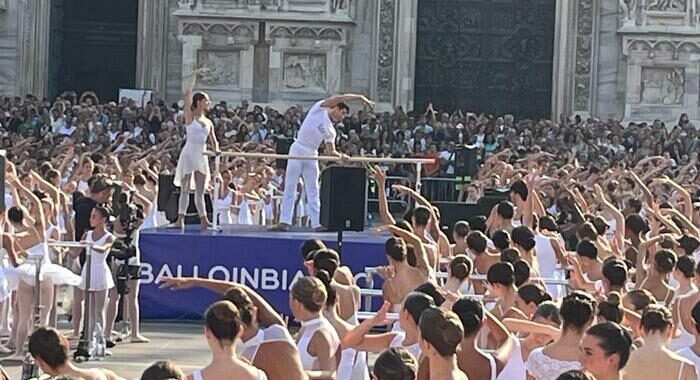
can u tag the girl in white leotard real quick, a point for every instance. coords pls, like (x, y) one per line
(100, 281)
(317, 340)
(222, 329)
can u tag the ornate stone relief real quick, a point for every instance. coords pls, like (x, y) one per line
(304, 72)
(665, 86)
(224, 67)
(584, 52)
(316, 33)
(667, 5)
(385, 63)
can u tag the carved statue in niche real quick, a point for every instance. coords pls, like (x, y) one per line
(628, 8)
(663, 86)
(304, 71)
(223, 68)
(667, 5)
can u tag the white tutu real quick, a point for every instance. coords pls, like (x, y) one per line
(48, 271)
(192, 158)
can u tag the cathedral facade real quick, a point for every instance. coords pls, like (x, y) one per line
(623, 59)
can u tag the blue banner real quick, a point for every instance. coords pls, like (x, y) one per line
(264, 261)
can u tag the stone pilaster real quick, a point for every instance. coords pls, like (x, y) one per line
(33, 47)
(151, 45)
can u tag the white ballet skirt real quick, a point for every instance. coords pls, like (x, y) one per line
(5, 290)
(192, 158)
(222, 207)
(244, 215)
(26, 272)
(100, 273)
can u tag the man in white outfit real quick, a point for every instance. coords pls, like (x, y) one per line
(316, 129)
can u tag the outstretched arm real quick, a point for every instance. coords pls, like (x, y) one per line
(410, 238)
(337, 99)
(380, 179)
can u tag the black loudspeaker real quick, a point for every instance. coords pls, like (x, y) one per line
(343, 191)
(166, 188)
(467, 161)
(282, 147)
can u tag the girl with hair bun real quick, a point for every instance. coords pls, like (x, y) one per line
(528, 297)
(682, 311)
(684, 275)
(692, 352)
(577, 313)
(317, 339)
(458, 275)
(501, 282)
(440, 335)
(395, 364)
(407, 337)
(401, 278)
(605, 350)
(654, 360)
(610, 309)
(223, 328)
(654, 277)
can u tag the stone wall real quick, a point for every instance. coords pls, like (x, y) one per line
(8, 46)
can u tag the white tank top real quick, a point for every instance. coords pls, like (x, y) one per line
(309, 329)
(515, 367)
(400, 336)
(546, 258)
(353, 363)
(274, 333)
(684, 340)
(196, 133)
(197, 375)
(493, 366)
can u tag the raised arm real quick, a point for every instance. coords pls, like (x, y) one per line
(687, 199)
(619, 218)
(410, 238)
(190, 81)
(380, 179)
(648, 197)
(337, 99)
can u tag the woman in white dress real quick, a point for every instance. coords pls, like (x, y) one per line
(193, 165)
(101, 280)
(30, 237)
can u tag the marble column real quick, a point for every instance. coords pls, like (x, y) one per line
(151, 45)
(405, 63)
(563, 65)
(190, 46)
(33, 47)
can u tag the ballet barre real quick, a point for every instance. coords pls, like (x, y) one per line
(368, 294)
(365, 315)
(367, 160)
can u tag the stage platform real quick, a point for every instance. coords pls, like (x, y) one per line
(266, 261)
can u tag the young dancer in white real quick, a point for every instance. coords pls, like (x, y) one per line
(317, 128)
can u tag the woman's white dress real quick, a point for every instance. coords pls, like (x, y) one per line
(222, 207)
(192, 158)
(100, 273)
(26, 272)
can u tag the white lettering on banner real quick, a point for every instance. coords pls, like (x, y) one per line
(257, 278)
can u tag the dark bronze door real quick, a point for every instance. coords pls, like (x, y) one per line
(490, 56)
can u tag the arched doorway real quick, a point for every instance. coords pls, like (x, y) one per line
(485, 56)
(93, 46)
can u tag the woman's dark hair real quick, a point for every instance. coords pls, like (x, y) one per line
(640, 298)
(533, 293)
(311, 292)
(615, 271)
(575, 374)
(586, 248)
(577, 310)
(613, 339)
(461, 228)
(505, 209)
(695, 313)
(404, 225)
(478, 223)
(686, 265)
(501, 239)
(395, 248)
(395, 364)
(326, 278)
(610, 309)
(310, 245)
(461, 267)
(689, 244)
(49, 345)
(104, 213)
(163, 370)
(196, 98)
(548, 223)
(415, 303)
(665, 260)
(510, 255)
(223, 320)
(501, 273)
(326, 259)
(15, 214)
(524, 237)
(656, 318)
(521, 272)
(587, 232)
(442, 329)
(432, 291)
(471, 313)
(476, 241)
(548, 310)
(244, 304)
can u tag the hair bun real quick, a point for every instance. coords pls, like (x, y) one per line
(614, 299)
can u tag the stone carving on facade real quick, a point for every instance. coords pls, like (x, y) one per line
(663, 86)
(187, 4)
(385, 63)
(667, 5)
(316, 33)
(305, 72)
(584, 52)
(339, 5)
(628, 9)
(223, 68)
